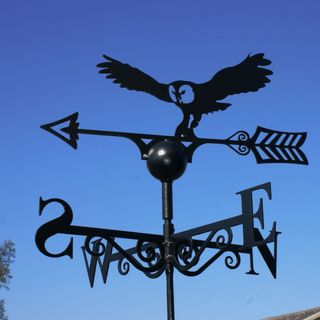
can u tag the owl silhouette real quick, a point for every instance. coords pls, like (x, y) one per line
(192, 98)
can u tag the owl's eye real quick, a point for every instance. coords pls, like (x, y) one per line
(172, 93)
(187, 94)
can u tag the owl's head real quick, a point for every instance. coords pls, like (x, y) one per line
(181, 93)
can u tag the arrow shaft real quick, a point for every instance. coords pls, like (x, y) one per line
(121, 134)
(155, 136)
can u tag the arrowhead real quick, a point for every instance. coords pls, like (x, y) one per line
(69, 133)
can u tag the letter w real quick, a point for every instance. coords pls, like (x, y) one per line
(92, 266)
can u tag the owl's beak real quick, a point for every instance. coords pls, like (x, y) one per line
(177, 95)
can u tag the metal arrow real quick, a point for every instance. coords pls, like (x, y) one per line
(268, 146)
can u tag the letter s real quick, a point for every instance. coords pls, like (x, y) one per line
(53, 227)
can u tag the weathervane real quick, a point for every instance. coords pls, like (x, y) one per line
(191, 251)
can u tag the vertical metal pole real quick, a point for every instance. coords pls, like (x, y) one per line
(168, 230)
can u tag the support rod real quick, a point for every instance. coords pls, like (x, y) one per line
(168, 231)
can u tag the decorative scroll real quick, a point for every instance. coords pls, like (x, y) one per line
(187, 253)
(149, 260)
(242, 137)
(233, 262)
(123, 266)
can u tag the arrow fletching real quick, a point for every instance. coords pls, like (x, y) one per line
(270, 146)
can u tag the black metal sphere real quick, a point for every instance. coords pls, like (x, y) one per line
(167, 160)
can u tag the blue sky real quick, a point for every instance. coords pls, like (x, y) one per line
(48, 56)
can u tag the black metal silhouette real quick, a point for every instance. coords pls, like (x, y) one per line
(153, 254)
(192, 98)
(268, 146)
(167, 158)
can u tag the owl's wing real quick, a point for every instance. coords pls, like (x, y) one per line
(245, 77)
(133, 79)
